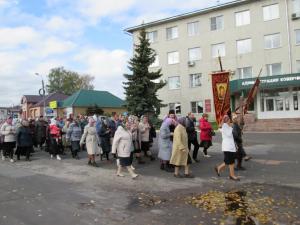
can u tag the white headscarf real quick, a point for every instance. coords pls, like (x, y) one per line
(53, 121)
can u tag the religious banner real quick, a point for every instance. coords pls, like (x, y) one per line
(221, 94)
(251, 95)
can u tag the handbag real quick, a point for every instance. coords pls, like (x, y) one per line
(212, 133)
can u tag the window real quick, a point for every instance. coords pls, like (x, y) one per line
(245, 72)
(270, 104)
(193, 28)
(297, 37)
(272, 41)
(197, 107)
(152, 36)
(217, 23)
(174, 83)
(156, 62)
(262, 104)
(244, 46)
(295, 101)
(176, 107)
(298, 66)
(296, 6)
(173, 57)
(274, 69)
(287, 104)
(271, 12)
(218, 49)
(195, 80)
(194, 54)
(242, 18)
(279, 104)
(172, 33)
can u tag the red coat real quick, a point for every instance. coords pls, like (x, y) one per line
(54, 131)
(205, 129)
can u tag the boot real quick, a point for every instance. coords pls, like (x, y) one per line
(169, 168)
(94, 164)
(133, 174)
(140, 160)
(148, 154)
(162, 166)
(119, 172)
(239, 165)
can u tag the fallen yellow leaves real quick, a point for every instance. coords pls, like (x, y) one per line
(243, 207)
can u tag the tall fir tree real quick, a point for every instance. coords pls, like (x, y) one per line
(141, 86)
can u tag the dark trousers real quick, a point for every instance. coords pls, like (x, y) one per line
(145, 147)
(24, 151)
(106, 154)
(75, 148)
(196, 147)
(8, 149)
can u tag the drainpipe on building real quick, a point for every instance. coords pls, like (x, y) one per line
(289, 36)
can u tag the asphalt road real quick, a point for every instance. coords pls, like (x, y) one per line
(51, 192)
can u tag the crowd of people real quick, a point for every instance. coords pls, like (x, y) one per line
(124, 138)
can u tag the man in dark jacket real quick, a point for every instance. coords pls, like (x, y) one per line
(192, 135)
(237, 136)
(40, 132)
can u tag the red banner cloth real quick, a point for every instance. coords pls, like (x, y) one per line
(221, 94)
(251, 95)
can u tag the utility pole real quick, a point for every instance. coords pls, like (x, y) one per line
(42, 92)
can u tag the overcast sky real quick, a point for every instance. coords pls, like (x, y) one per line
(82, 35)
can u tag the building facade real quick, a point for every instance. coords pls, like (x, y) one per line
(248, 35)
(28, 101)
(80, 102)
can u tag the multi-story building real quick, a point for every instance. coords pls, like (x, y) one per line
(248, 35)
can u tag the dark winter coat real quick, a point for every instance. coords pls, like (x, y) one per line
(40, 131)
(237, 134)
(152, 133)
(82, 124)
(190, 129)
(105, 138)
(23, 137)
(172, 129)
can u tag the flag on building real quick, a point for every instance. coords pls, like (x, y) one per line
(221, 94)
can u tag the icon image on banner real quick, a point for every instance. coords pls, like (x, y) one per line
(221, 89)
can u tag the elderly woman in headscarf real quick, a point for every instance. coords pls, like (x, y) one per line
(105, 134)
(180, 152)
(24, 140)
(229, 149)
(54, 138)
(165, 145)
(123, 147)
(73, 136)
(134, 124)
(91, 139)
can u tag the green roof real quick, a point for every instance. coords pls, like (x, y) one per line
(88, 98)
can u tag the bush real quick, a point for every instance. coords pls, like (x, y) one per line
(156, 122)
(214, 125)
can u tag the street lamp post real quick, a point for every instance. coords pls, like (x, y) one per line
(42, 92)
